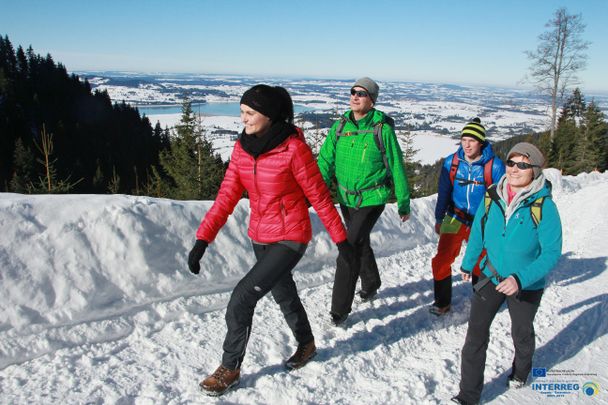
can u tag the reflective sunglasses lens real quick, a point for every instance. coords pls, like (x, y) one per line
(358, 93)
(520, 165)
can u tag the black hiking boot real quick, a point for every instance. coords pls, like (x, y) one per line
(303, 355)
(514, 382)
(461, 401)
(367, 296)
(337, 319)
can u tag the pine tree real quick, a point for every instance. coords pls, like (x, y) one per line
(406, 141)
(114, 184)
(156, 186)
(590, 149)
(195, 171)
(562, 152)
(90, 133)
(23, 164)
(49, 182)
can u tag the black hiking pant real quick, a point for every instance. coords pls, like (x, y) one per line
(484, 306)
(272, 272)
(359, 224)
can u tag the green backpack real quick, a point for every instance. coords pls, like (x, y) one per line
(536, 208)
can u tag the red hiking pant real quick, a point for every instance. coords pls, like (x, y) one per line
(452, 234)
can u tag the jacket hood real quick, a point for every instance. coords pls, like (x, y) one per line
(487, 153)
(540, 187)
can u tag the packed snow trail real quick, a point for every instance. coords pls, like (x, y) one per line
(98, 307)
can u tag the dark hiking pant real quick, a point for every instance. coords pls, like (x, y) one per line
(522, 309)
(359, 224)
(272, 272)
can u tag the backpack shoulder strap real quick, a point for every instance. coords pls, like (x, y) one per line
(454, 167)
(380, 143)
(487, 173)
(536, 210)
(490, 195)
(340, 129)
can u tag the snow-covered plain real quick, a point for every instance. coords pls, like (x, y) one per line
(433, 112)
(430, 146)
(98, 307)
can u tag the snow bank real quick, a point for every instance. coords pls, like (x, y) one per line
(71, 257)
(98, 306)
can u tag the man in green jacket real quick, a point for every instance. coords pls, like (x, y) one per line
(362, 153)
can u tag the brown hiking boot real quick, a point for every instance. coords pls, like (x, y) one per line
(303, 355)
(220, 381)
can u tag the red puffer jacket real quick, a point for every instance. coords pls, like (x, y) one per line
(277, 182)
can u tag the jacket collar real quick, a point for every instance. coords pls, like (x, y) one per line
(372, 117)
(540, 187)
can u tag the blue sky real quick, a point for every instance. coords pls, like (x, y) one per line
(463, 42)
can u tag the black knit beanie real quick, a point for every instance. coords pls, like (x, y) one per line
(265, 100)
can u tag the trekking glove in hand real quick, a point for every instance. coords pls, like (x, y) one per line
(195, 256)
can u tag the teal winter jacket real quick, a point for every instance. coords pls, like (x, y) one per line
(515, 245)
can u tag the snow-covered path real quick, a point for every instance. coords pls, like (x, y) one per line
(98, 307)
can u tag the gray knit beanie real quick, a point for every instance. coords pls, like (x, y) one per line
(534, 155)
(369, 85)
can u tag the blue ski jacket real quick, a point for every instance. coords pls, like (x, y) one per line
(468, 189)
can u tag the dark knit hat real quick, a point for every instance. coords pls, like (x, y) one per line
(369, 85)
(534, 155)
(265, 100)
(474, 130)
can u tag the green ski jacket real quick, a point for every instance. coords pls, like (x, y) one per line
(357, 164)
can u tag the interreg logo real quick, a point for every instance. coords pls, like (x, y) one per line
(539, 372)
(591, 389)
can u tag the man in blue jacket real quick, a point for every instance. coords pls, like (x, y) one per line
(464, 177)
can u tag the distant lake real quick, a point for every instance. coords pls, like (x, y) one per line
(226, 109)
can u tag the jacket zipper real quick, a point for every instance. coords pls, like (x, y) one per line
(255, 183)
(363, 154)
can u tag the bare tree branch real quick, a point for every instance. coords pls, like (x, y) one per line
(559, 56)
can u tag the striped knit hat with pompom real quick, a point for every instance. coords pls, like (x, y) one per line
(475, 130)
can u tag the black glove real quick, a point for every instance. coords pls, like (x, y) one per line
(196, 254)
(346, 251)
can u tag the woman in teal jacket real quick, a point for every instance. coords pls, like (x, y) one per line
(519, 227)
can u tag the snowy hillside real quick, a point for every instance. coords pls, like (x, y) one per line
(98, 307)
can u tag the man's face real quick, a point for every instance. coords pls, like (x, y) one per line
(471, 147)
(360, 102)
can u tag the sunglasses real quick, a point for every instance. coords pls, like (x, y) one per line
(520, 165)
(358, 93)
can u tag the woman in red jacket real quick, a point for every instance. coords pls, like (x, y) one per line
(273, 163)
